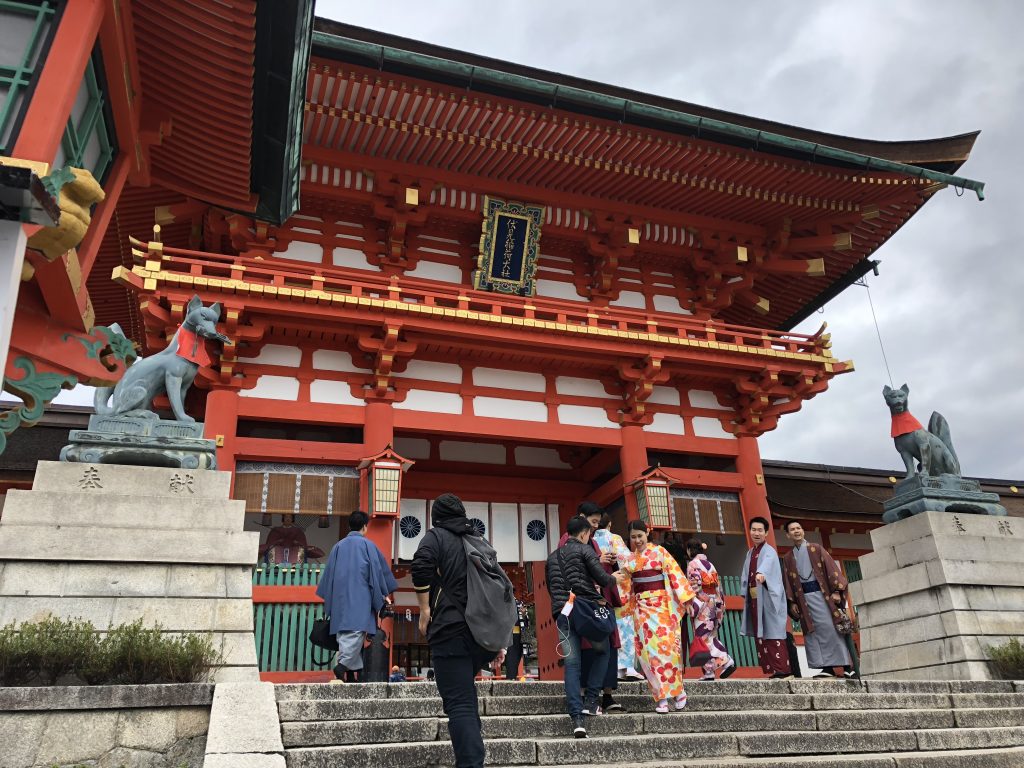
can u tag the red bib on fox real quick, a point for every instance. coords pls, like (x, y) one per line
(193, 348)
(902, 423)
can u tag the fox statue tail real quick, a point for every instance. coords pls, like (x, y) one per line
(101, 399)
(939, 427)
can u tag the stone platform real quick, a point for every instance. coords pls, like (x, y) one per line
(937, 591)
(113, 544)
(944, 493)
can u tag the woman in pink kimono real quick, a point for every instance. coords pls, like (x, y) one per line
(661, 595)
(707, 618)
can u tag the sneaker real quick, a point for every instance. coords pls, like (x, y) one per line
(662, 708)
(680, 702)
(608, 704)
(728, 669)
(340, 673)
(593, 711)
(579, 731)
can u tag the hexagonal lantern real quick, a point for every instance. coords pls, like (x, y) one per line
(383, 474)
(652, 498)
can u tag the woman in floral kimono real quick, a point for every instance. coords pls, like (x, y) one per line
(612, 542)
(661, 595)
(708, 617)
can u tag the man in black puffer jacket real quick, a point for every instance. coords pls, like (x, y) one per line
(439, 577)
(575, 567)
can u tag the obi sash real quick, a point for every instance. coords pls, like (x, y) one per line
(648, 581)
(810, 586)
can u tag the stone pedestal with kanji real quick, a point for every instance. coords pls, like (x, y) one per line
(938, 591)
(113, 544)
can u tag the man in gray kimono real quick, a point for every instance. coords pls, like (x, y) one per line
(764, 602)
(816, 590)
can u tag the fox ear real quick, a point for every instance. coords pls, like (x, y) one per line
(905, 389)
(194, 303)
(215, 308)
(886, 390)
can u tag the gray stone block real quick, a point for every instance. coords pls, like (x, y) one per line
(313, 691)
(236, 648)
(989, 718)
(634, 749)
(974, 700)
(20, 735)
(119, 480)
(258, 731)
(297, 710)
(238, 581)
(883, 719)
(881, 701)
(981, 686)
(78, 510)
(196, 581)
(727, 722)
(823, 743)
(970, 738)
(192, 722)
(341, 732)
(234, 675)
(827, 686)
(244, 761)
(72, 737)
(99, 544)
(154, 730)
(1012, 757)
(410, 755)
(57, 698)
(552, 726)
(907, 686)
(878, 563)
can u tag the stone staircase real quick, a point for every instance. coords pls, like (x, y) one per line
(728, 724)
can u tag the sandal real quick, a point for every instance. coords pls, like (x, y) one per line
(680, 702)
(662, 708)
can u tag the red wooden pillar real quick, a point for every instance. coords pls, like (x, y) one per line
(222, 426)
(378, 433)
(753, 494)
(60, 80)
(632, 463)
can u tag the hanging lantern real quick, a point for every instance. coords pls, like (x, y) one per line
(266, 519)
(323, 521)
(652, 500)
(383, 474)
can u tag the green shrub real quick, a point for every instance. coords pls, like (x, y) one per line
(1008, 660)
(44, 652)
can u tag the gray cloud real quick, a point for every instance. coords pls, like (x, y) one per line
(949, 296)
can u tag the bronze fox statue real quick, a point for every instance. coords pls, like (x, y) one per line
(933, 448)
(169, 371)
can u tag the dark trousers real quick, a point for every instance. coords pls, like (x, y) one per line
(611, 675)
(456, 664)
(513, 655)
(580, 691)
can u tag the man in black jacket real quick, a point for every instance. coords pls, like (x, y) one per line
(439, 577)
(574, 568)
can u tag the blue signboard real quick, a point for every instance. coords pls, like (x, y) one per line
(509, 246)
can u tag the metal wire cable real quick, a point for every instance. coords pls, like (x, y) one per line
(878, 332)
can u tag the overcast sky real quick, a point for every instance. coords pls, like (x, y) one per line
(949, 295)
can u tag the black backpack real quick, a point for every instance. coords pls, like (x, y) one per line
(490, 601)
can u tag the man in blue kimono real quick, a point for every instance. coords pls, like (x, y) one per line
(354, 586)
(765, 608)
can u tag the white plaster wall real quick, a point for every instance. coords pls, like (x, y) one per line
(300, 250)
(413, 447)
(668, 423)
(504, 533)
(664, 396)
(336, 392)
(276, 354)
(700, 398)
(431, 402)
(429, 371)
(670, 304)
(556, 289)
(850, 541)
(416, 508)
(532, 456)
(533, 550)
(570, 385)
(632, 299)
(334, 360)
(584, 416)
(432, 270)
(705, 426)
(274, 388)
(518, 380)
(353, 258)
(481, 453)
(501, 408)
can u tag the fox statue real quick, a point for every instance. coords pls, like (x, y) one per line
(169, 371)
(933, 448)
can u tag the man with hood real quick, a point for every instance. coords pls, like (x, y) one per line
(354, 586)
(764, 602)
(439, 578)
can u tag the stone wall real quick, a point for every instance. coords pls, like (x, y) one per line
(938, 591)
(129, 726)
(113, 544)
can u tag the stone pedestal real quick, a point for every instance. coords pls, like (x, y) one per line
(141, 440)
(937, 591)
(945, 493)
(113, 544)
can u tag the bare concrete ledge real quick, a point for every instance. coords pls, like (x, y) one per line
(79, 697)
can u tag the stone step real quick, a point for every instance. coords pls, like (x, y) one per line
(125, 480)
(1012, 757)
(337, 733)
(658, 748)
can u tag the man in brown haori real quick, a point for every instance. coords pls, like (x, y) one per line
(764, 602)
(816, 591)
